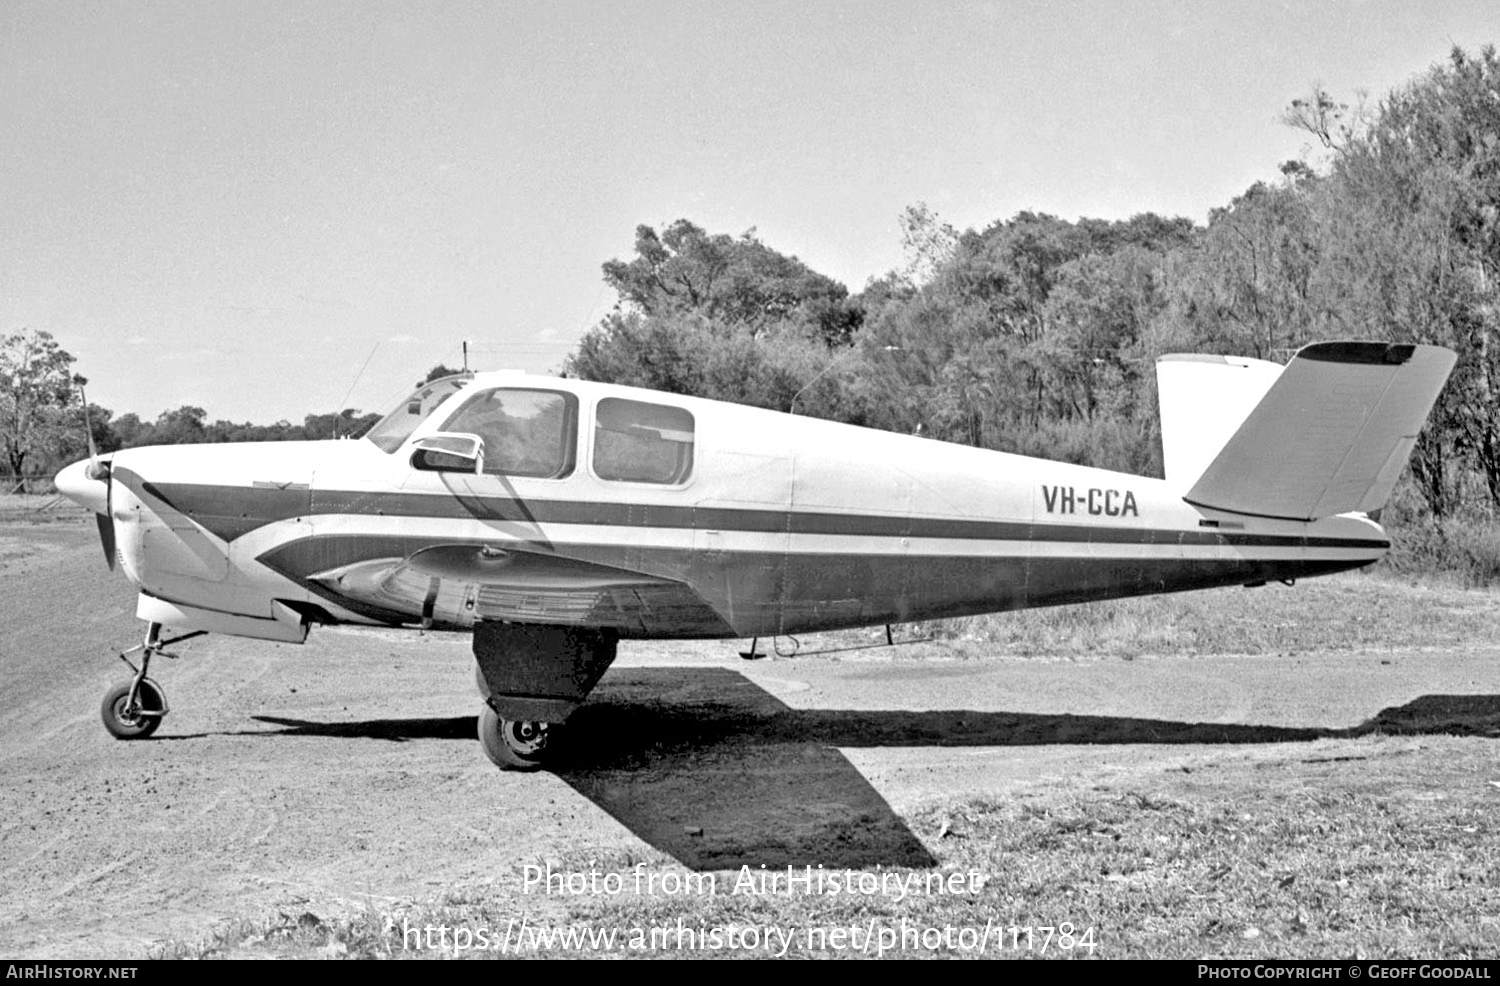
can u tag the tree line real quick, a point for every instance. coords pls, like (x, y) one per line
(44, 423)
(1036, 334)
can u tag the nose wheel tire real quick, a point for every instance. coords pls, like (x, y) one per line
(133, 720)
(512, 744)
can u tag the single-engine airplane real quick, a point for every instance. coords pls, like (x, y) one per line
(554, 517)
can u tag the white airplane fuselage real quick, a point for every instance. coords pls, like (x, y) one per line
(776, 524)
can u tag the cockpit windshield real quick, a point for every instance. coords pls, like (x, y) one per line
(397, 426)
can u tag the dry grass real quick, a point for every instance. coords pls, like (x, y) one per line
(1366, 853)
(32, 508)
(1358, 610)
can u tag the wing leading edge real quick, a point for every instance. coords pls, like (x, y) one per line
(459, 584)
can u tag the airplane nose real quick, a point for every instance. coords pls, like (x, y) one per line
(77, 485)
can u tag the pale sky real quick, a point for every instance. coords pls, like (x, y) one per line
(231, 204)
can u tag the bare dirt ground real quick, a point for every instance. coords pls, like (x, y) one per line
(345, 773)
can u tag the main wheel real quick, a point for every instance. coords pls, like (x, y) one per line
(126, 721)
(512, 744)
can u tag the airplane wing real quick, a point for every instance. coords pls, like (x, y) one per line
(456, 584)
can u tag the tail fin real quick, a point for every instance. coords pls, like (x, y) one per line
(1331, 435)
(1204, 400)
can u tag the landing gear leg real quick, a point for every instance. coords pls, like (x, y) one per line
(133, 709)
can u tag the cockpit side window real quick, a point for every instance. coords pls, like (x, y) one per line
(396, 427)
(636, 442)
(526, 432)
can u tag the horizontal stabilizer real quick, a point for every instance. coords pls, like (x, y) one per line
(1331, 435)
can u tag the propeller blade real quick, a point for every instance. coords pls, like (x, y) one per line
(107, 537)
(101, 471)
(88, 426)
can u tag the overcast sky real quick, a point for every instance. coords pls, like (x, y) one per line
(233, 204)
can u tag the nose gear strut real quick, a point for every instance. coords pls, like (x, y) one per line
(133, 709)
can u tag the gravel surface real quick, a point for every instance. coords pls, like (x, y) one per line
(345, 773)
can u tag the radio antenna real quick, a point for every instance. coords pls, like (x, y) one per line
(338, 412)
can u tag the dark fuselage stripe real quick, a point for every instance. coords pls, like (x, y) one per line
(780, 592)
(231, 511)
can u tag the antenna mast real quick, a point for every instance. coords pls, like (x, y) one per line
(338, 411)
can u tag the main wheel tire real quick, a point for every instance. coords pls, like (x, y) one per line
(512, 744)
(125, 721)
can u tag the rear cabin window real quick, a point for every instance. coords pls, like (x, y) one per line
(525, 432)
(635, 442)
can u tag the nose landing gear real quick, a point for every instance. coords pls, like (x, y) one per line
(133, 709)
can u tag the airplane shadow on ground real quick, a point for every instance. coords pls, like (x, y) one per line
(710, 768)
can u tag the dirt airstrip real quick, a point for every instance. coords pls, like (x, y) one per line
(345, 772)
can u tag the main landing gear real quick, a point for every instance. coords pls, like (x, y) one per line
(531, 678)
(512, 744)
(133, 709)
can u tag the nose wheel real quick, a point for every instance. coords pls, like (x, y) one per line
(512, 744)
(133, 709)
